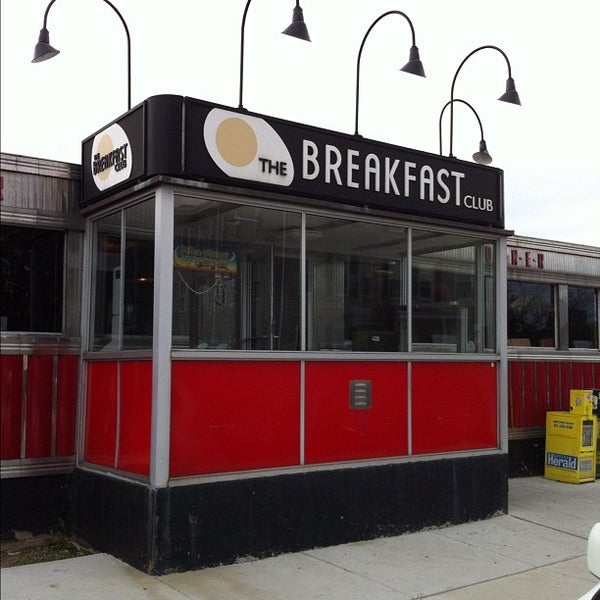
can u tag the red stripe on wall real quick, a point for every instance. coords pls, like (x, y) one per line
(66, 409)
(11, 394)
(530, 394)
(39, 406)
(554, 401)
(516, 395)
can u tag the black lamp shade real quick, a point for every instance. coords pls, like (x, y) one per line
(298, 27)
(510, 95)
(43, 50)
(482, 157)
(414, 64)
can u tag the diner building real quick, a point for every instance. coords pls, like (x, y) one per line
(252, 336)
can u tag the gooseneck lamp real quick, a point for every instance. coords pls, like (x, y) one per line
(413, 66)
(296, 29)
(44, 51)
(510, 95)
(482, 156)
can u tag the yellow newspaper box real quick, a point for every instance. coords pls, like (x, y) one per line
(582, 402)
(570, 446)
(587, 402)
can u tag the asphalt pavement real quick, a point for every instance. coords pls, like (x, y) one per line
(536, 551)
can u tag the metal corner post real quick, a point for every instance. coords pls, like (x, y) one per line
(501, 340)
(161, 347)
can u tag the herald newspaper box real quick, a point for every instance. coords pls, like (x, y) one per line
(571, 441)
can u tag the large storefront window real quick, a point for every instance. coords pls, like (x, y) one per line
(236, 280)
(583, 317)
(453, 293)
(31, 279)
(531, 314)
(123, 288)
(356, 286)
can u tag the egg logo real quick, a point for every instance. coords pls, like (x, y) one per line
(111, 158)
(247, 147)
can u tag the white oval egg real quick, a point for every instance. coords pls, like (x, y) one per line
(247, 147)
(111, 159)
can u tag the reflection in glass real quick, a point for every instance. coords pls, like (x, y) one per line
(123, 287)
(252, 278)
(236, 280)
(356, 286)
(31, 280)
(531, 314)
(107, 283)
(583, 317)
(138, 296)
(453, 293)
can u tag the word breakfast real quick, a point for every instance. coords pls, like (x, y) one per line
(372, 172)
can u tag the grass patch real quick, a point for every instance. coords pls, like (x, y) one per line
(38, 549)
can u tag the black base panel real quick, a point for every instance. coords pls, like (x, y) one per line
(526, 457)
(114, 516)
(195, 526)
(35, 504)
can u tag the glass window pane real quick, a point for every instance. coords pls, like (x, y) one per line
(31, 279)
(531, 314)
(583, 317)
(236, 280)
(453, 293)
(356, 286)
(106, 295)
(139, 276)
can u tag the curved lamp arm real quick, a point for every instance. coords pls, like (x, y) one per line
(297, 29)
(44, 51)
(243, 28)
(482, 156)
(510, 95)
(413, 65)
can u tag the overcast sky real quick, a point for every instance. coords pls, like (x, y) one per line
(548, 148)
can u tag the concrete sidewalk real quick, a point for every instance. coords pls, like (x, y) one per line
(537, 551)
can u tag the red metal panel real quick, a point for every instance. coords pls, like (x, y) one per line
(575, 378)
(101, 413)
(66, 409)
(541, 393)
(234, 415)
(454, 406)
(336, 432)
(38, 441)
(136, 414)
(530, 394)
(536, 387)
(554, 402)
(587, 376)
(515, 394)
(11, 399)
(566, 384)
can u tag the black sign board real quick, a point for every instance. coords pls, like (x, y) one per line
(184, 137)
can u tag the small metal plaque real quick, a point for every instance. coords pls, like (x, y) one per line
(360, 393)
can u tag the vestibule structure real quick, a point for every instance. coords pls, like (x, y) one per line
(291, 338)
